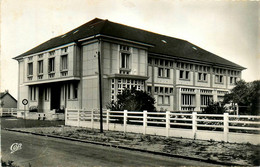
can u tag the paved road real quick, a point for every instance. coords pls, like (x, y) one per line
(43, 151)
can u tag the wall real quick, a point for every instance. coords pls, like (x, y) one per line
(9, 102)
(90, 76)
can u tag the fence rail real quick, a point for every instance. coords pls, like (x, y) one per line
(8, 112)
(219, 127)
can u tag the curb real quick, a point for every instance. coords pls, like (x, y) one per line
(128, 148)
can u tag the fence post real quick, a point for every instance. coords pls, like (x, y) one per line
(78, 117)
(194, 124)
(125, 120)
(167, 122)
(108, 116)
(144, 121)
(226, 130)
(92, 118)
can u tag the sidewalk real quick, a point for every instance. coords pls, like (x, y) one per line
(229, 153)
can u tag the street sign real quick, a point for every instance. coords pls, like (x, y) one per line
(25, 101)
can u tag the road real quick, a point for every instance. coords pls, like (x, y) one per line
(40, 151)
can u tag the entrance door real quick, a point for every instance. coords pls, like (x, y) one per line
(55, 97)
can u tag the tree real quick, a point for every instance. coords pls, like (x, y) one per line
(214, 108)
(132, 100)
(246, 95)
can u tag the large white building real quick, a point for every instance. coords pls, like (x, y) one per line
(63, 71)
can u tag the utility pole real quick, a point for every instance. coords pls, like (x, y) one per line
(100, 90)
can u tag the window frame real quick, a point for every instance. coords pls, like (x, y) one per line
(202, 77)
(62, 62)
(51, 64)
(40, 67)
(184, 75)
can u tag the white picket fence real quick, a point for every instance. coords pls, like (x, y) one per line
(217, 127)
(8, 112)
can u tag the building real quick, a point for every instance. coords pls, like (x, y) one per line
(63, 71)
(7, 100)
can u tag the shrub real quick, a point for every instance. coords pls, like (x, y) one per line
(132, 100)
(33, 109)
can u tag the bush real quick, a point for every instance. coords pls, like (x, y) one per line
(133, 100)
(214, 108)
(33, 109)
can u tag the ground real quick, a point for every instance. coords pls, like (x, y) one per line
(242, 154)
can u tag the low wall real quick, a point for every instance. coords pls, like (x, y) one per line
(40, 116)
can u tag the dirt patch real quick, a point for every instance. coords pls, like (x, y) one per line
(243, 154)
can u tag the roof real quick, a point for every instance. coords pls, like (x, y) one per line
(3, 94)
(162, 45)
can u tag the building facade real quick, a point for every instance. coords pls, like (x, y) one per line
(63, 72)
(7, 100)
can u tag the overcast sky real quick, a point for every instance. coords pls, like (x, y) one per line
(229, 29)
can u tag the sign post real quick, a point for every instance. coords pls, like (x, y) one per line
(25, 102)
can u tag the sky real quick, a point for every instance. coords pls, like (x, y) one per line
(227, 28)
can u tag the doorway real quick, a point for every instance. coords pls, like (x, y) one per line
(55, 96)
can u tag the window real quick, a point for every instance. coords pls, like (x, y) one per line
(231, 80)
(155, 61)
(171, 90)
(187, 75)
(167, 73)
(164, 72)
(187, 99)
(40, 67)
(75, 90)
(161, 90)
(46, 94)
(69, 91)
(125, 60)
(219, 79)
(149, 89)
(72, 91)
(33, 93)
(52, 53)
(181, 74)
(64, 50)
(125, 48)
(64, 62)
(166, 99)
(163, 100)
(184, 74)
(205, 100)
(51, 65)
(202, 76)
(30, 69)
(160, 99)
(166, 90)
(160, 72)
(156, 90)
